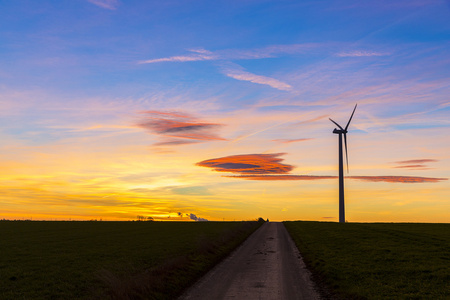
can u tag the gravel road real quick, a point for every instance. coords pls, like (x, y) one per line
(266, 266)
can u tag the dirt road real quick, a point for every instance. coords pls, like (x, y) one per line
(266, 266)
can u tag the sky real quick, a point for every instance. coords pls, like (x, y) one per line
(218, 110)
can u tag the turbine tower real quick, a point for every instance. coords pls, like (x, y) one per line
(341, 131)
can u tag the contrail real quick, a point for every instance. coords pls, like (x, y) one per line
(279, 124)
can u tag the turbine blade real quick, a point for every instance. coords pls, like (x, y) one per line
(346, 153)
(351, 117)
(336, 124)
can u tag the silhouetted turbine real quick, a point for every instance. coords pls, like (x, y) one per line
(341, 131)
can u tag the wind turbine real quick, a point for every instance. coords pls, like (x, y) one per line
(341, 131)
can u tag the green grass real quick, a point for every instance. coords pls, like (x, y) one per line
(378, 260)
(118, 260)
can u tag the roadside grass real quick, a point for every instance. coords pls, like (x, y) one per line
(376, 260)
(115, 260)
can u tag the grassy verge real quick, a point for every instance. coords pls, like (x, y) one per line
(377, 261)
(116, 260)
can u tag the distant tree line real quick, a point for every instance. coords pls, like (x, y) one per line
(144, 218)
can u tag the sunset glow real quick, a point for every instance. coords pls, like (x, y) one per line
(219, 110)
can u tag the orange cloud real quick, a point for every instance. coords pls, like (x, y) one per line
(402, 179)
(248, 164)
(269, 167)
(178, 125)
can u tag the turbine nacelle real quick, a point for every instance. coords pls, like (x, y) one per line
(337, 131)
(344, 132)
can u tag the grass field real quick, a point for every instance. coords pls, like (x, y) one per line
(118, 260)
(377, 261)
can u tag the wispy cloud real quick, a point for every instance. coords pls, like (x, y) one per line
(312, 120)
(288, 141)
(247, 76)
(108, 4)
(235, 54)
(282, 177)
(402, 179)
(361, 53)
(231, 70)
(181, 128)
(413, 167)
(175, 143)
(198, 55)
(391, 179)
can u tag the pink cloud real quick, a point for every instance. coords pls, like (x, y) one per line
(179, 126)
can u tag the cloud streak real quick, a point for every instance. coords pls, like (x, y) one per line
(416, 161)
(235, 54)
(282, 177)
(237, 72)
(394, 179)
(391, 179)
(361, 53)
(247, 76)
(269, 167)
(108, 4)
(288, 141)
(414, 164)
(199, 55)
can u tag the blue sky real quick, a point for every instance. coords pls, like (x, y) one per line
(148, 89)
